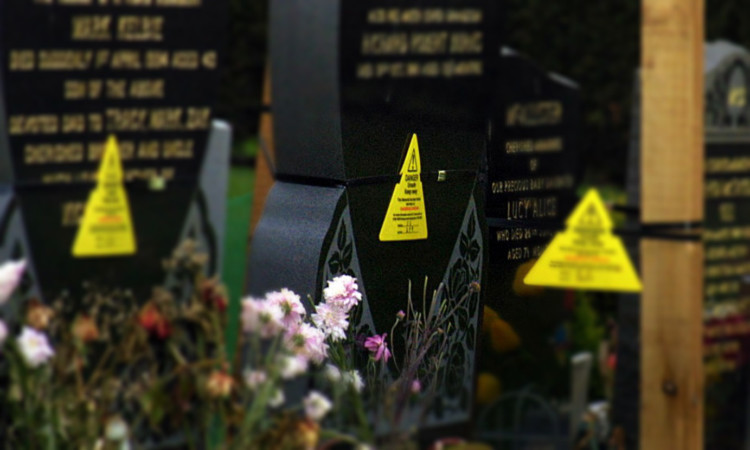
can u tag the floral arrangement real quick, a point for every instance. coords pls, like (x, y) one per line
(110, 372)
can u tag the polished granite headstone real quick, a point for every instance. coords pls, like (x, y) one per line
(533, 167)
(74, 73)
(353, 82)
(533, 162)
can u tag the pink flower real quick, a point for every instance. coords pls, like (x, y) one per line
(290, 305)
(416, 386)
(332, 321)
(343, 291)
(307, 341)
(378, 347)
(34, 347)
(10, 275)
(262, 317)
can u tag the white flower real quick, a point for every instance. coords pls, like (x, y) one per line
(353, 379)
(10, 275)
(291, 307)
(332, 373)
(116, 429)
(34, 347)
(307, 341)
(254, 378)
(332, 320)
(3, 332)
(316, 406)
(292, 366)
(276, 399)
(343, 291)
(262, 317)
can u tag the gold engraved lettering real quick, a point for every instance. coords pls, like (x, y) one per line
(534, 114)
(466, 43)
(733, 187)
(95, 89)
(22, 60)
(126, 119)
(157, 59)
(185, 60)
(162, 119)
(393, 16)
(91, 28)
(726, 212)
(117, 88)
(178, 149)
(65, 59)
(73, 123)
(727, 164)
(432, 43)
(140, 28)
(468, 68)
(74, 2)
(96, 123)
(34, 124)
(209, 60)
(412, 69)
(434, 16)
(95, 151)
(72, 213)
(147, 88)
(102, 58)
(431, 69)
(737, 97)
(411, 16)
(463, 16)
(126, 59)
(74, 89)
(57, 178)
(365, 71)
(376, 16)
(198, 118)
(53, 153)
(385, 44)
(148, 150)
(179, 3)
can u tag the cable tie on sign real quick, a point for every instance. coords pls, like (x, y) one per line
(665, 231)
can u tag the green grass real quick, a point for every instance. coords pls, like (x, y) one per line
(241, 181)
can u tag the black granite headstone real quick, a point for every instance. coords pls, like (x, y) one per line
(727, 252)
(353, 82)
(74, 72)
(533, 164)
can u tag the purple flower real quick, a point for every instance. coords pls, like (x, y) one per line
(342, 291)
(378, 347)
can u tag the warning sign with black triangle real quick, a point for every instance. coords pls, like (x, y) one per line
(106, 227)
(586, 255)
(406, 218)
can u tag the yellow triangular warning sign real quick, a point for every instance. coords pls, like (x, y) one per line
(586, 255)
(106, 227)
(406, 219)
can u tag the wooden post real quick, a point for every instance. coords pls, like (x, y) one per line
(672, 152)
(263, 176)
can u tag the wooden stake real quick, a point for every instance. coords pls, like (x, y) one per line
(263, 176)
(672, 152)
